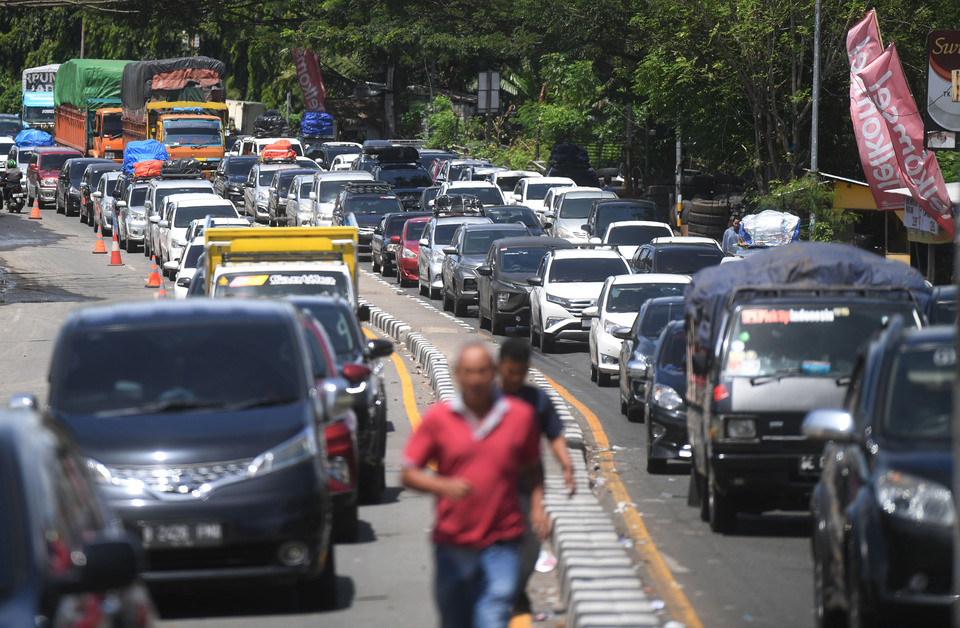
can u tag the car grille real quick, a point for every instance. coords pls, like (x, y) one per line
(577, 306)
(182, 479)
(470, 284)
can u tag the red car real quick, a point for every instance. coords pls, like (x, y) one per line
(408, 250)
(43, 172)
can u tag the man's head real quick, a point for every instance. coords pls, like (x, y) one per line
(514, 363)
(475, 372)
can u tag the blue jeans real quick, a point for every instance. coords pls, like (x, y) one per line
(475, 587)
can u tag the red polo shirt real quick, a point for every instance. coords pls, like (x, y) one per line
(488, 452)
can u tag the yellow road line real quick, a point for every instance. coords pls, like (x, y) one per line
(409, 403)
(677, 603)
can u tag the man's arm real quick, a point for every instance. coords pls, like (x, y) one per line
(429, 482)
(559, 447)
(533, 483)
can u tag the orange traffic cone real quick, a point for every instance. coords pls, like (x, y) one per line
(115, 251)
(99, 246)
(153, 279)
(35, 212)
(162, 292)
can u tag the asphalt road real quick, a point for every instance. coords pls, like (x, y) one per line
(760, 576)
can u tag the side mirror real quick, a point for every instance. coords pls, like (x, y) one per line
(106, 563)
(163, 224)
(247, 184)
(623, 333)
(828, 424)
(484, 271)
(700, 363)
(535, 281)
(312, 196)
(585, 228)
(337, 399)
(591, 312)
(97, 194)
(549, 215)
(271, 189)
(363, 313)
(183, 282)
(378, 231)
(395, 240)
(379, 348)
(637, 369)
(595, 240)
(291, 197)
(147, 205)
(449, 250)
(425, 242)
(171, 265)
(154, 219)
(121, 204)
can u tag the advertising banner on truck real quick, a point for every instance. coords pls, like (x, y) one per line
(311, 81)
(40, 79)
(943, 110)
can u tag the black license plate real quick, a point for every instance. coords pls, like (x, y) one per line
(173, 534)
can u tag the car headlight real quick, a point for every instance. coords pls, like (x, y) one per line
(48, 182)
(915, 499)
(741, 428)
(301, 447)
(262, 195)
(609, 326)
(409, 254)
(503, 298)
(391, 248)
(666, 397)
(438, 256)
(558, 300)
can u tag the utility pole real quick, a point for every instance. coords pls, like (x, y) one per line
(83, 33)
(628, 175)
(679, 179)
(815, 105)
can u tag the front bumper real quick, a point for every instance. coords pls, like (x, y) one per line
(608, 353)
(134, 229)
(559, 323)
(47, 194)
(670, 440)
(774, 477)
(408, 269)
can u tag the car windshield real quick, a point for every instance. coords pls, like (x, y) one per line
(673, 353)
(478, 242)
(508, 215)
(804, 339)
(405, 177)
(54, 161)
(284, 283)
(630, 298)
(192, 133)
(635, 235)
(112, 125)
(394, 226)
(10, 126)
(5, 150)
(239, 167)
(615, 212)
(138, 196)
(414, 230)
(487, 195)
(265, 177)
(919, 401)
(538, 191)
(373, 205)
(329, 190)
(97, 379)
(656, 317)
(525, 260)
(333, 151)
(343, 335)
(585, 269)
(575, 207)
(687, 260)
(160, 194)
(185, 215)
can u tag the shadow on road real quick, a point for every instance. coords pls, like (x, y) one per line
(779, 524)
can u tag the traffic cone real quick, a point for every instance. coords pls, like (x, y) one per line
(99, 246)
(153, 279)
(115, 251)
(162, 292)
(35, 212)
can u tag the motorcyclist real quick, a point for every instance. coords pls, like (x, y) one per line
(10, 181)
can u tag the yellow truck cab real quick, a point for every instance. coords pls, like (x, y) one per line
(282, 262)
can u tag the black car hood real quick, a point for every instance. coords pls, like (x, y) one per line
(674, 378)
(187, 437)
(472, 261)
(237, 178)
(788, 395)
(518, 281)
(368, 220)
(932, 461)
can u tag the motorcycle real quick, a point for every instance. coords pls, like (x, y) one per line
(14, 198)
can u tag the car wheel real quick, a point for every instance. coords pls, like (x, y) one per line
(375, 266)
(319, 592)
(131, 246)
(423, 289)
(60, 208)
(603, 379)
(825, 618)
(634, 415)
(120, 239)
(434, 292)
(721, 509)
(593, 373)
(346, 524)
(700, 482)
(386, 269)
(459, 308)
(534, 336)
(497, 326)
(83, 216)
(447, 301)
(654, 465)
(372, 482)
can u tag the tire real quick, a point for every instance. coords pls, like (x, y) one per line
(634, 415)
(721, 509)
(459, 308)
(346, 524)
(707, 220)
(319, 592)
(403, 283)
(131, 246)
(497, 326)
(374, 266)
(702, 492)
(623, 406)
(120, 239)
(714, 208)
(424, 291)
(654, 465)
(824, 618)
(546, 343)
(603, 379)
(593, 373)
(434, 293)
(60, 208)
(447, 304)
(484, 322)
(534, 336)
(372, 483)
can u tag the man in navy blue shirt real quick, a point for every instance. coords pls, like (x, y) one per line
(514, 364)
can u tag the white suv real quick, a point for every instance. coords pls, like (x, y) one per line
(326, 188)
(488, 193)
(531, 192)
(183, 209)
(565, 219)
(567, 282)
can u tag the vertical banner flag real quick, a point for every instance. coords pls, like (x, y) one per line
(889, 128)
(310, 79)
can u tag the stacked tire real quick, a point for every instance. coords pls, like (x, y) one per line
(708, 218)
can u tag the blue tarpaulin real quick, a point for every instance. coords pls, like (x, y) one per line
(142, 151)
(33, 137)
(316, 124)
(799, 265)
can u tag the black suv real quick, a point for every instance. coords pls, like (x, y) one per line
(215, 455)
(230, 175)
(608, 210)
(61, 553)
(68, 198)
(674, 258)
(362, 205)
(408, 181)
(883, 509)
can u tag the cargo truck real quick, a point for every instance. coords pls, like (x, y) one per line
(242, 115)
(281, 262)
(38, 97)
(178, 102)
(88, 114)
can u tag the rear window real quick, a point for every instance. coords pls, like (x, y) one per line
(405, 177)
(630, 298)
(686, 260)
(636, 235)
(581, 270)
(615, 212)
(238, 167)
(373, 205)
(185, 215)
(478, 242)
(487, 195)
(513, 215)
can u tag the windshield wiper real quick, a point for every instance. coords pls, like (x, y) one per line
(173, 405)
(776, 376)
(260, 403)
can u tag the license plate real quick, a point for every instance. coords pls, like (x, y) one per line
(811, 464)
(195, 534)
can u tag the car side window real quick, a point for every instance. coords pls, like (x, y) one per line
(601, 300)
(542, 269)
(252, 177)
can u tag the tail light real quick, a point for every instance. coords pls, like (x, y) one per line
(356, 373)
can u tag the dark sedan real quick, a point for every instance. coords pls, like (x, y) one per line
(883, 509)
(503, 294)
(68, 184)
(636, 353)
(63, 559)
(230, 175)
(214, 456)
(665, 411)
(386, 240)
(463, 256)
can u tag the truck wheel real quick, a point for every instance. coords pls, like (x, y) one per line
(722, 511)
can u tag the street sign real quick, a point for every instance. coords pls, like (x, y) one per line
(488, 92)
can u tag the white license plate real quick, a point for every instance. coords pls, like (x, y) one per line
(196, 534)
(811, 464)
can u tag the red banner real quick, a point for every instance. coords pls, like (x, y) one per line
(882, 172)
(311, 81)
(897, 135)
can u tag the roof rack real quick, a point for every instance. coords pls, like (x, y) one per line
(457, 205)
(368, 187)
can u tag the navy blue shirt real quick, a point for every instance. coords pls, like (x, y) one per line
(547, 417)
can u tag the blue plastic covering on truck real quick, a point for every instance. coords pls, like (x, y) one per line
(316, 124)
(141, 151)
(33, 137)
(803, 265)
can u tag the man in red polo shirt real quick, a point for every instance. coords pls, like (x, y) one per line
(483, 444)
